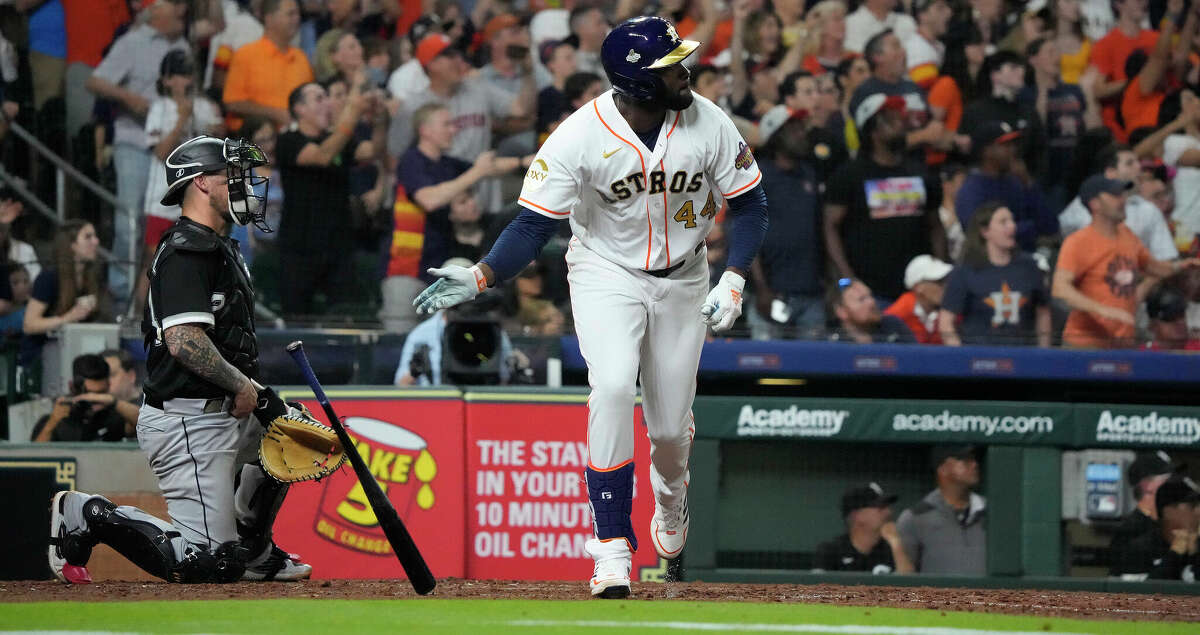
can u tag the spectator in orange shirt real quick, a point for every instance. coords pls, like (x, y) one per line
(263, 73)
(824, 47)
(1155, 73)
(925, 277)
(1110, 53)
(1100, 267)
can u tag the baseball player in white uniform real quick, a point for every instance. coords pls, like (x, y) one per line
(640, 173)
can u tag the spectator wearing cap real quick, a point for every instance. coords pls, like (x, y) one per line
(1166, 306)
(1003, 79)
(1142, 217)
(946, 533)
(18, 251)
(871, 542)
(925, 278)
(1064, 110)
(998, 294)
(885, 55)
(558, 57)
(177, 114)
(510, 71)
(787, 272)
(924, 50)
(1110, 53)
(881, 212)
(995, 144)
(428, 181)
(128, 75)
(263, 73)
(474, 104)
(1100, 267)
(872, 18)
(859, 319)
(1168, 550)
(1147, 472)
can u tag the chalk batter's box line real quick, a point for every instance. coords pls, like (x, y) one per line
(500, 397)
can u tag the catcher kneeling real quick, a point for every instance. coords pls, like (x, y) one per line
(224, 448)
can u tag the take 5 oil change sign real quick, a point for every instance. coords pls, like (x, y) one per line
(414, 448)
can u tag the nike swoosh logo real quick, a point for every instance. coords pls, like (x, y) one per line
(609, 154)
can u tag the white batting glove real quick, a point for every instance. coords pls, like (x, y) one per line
(455, 285)
(724, 303)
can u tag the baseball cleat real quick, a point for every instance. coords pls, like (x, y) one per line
(611, 578)
(69, 538)
(277, 565)
(669, 527)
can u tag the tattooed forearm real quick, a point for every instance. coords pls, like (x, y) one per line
(196, 352)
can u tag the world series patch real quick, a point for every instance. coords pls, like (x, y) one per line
(744, 158)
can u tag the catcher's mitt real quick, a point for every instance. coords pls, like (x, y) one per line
(297, 447)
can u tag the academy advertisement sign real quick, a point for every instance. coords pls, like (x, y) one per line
(883, 420)
(1140, 425)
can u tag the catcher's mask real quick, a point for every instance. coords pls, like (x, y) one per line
(237, 158)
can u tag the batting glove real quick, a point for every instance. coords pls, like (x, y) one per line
(455, 285)
(724, 303)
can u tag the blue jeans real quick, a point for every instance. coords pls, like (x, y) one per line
(133, 172)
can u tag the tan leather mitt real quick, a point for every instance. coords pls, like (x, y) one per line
(297, 448)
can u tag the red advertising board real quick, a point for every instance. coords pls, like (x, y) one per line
(414, 448)
(527, 510)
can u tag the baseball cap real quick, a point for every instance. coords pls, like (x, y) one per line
(1097, 184)
(431, 46)
(773, 120)
(498, 24)
(1165, 303)
(869, 495)
(1149, 464)
(990, 132)
(1177, 489)
(940, 453)
(925, 268)
(872, 104)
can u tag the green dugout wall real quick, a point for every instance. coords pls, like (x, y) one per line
(773, 470)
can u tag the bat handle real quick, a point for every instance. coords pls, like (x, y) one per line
(296, 350)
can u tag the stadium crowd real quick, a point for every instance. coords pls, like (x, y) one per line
(937, 171)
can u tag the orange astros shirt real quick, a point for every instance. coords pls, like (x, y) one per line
(1106, 270)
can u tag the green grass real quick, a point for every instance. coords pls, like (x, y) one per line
(478, 617)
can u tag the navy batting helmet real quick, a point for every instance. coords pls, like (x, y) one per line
(637, 46)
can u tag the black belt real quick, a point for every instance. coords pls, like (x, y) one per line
(663, 273)
(212, 405)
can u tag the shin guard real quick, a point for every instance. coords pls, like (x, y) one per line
(611, 495)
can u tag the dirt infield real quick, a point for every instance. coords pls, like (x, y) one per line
(1023, 602)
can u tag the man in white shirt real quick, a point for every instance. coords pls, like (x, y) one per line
(1142, 217)
(872, 17)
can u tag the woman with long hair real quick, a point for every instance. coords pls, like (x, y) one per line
(69, 291)
(757, 61)
(825, 44)
(1074, 48)
(998, 293)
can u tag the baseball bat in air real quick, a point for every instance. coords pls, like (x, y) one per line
(397, 534)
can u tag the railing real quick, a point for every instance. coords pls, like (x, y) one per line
(62, 171)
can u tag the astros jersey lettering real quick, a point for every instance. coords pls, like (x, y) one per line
(640, 208)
